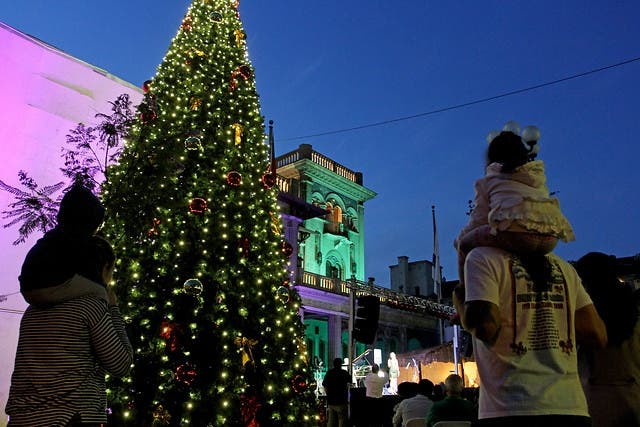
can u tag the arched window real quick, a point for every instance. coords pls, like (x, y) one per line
(329, 207)
(334, 217)
(334, 270)
(337, 214)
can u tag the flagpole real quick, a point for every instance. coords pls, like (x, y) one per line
(437, 273)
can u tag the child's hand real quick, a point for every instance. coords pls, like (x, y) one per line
(111, 297)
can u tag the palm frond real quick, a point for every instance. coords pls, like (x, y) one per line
(13, 190)
(34, 209)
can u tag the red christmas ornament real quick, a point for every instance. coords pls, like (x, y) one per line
(148, 116)
(153, 231)
(186, 23)
(234, 179)
(243, 71)
(298, 384)
(236, 4)
(170, 331)
(198, 206)
(185, 374)
(146, 86)
(249, 406)
(166, 329)
(245, 246)
(287, 249)
(269, 180)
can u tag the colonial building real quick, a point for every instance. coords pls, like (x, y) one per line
(328, 237)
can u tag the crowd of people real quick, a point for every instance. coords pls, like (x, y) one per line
(421, 402)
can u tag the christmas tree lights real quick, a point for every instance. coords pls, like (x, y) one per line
(201, 271)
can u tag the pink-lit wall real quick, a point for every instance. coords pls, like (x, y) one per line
(44, 93)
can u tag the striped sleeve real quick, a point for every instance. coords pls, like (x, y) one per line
(110, 342)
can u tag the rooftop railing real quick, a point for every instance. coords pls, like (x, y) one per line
(305, 151)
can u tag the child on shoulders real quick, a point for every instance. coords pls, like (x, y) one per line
(513, 209)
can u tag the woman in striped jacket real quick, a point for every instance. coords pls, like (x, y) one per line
(64, 351)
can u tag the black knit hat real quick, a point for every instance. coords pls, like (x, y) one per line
(81, 212)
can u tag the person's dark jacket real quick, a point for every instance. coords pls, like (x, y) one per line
(336, 385)
(452, 408)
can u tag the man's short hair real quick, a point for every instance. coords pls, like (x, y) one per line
(337, 362)
(454, 384)
(425, 387)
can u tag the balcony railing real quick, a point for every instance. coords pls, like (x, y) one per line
(325, 283)
(305, 151)
(387, 296)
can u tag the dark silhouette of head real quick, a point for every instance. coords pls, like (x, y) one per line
(81, 212)
(507, 149)
(407, 389)
(97, 255)
(598, 272)
(337, 363)
(425, 387)
(615, 301)
(438, 392)
(375, 368)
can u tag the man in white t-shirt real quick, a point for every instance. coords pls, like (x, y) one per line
(374, 384)
(414, 407)
(526, 315)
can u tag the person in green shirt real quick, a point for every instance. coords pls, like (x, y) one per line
(453, 407)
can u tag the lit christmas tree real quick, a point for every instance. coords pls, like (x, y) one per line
(194, 220)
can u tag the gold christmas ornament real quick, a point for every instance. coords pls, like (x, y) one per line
(237, 128)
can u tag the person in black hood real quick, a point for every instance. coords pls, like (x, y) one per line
(53, 269)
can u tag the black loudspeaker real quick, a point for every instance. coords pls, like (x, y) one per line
(366, 319)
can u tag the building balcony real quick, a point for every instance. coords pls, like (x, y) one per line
(337, 228)
(305, 151)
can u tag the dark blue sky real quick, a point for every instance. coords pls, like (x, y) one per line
(327, 65)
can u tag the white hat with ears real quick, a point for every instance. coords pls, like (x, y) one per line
(530, 136)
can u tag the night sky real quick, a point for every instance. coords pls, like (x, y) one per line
(460, 69)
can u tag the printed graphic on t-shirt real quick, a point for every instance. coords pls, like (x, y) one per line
(540, 316)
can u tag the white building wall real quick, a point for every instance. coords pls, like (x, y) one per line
(45, 93)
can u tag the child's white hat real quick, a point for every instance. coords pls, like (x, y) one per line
(530, 136)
